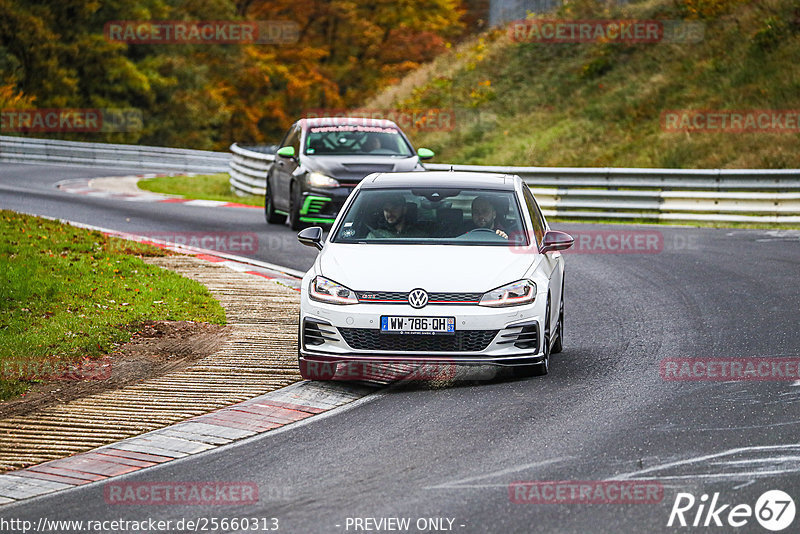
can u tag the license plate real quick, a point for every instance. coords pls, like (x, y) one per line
(418, 325)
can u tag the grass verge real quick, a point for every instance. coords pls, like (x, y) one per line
(202, 187)
(68, 295)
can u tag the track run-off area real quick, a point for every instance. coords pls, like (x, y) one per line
(491, 454)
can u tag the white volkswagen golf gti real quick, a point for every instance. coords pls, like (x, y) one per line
(434, 268)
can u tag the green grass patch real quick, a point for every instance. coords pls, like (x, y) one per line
(68, 294)
(202, 187)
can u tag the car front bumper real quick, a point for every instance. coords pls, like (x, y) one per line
(349, 335)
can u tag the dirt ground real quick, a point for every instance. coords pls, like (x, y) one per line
(157, 348)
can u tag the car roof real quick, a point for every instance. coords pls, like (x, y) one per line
(346, 121)
(439, 179)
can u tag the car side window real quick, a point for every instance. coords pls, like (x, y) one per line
(293, 138)
(536, 216)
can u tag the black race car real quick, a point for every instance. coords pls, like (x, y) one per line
(321, 160)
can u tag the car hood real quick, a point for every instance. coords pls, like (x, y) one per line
(456, 268)
(354, 168)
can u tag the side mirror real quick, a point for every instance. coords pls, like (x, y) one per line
(311, 237)
(554, 240)
(286, 152)
(425, 153)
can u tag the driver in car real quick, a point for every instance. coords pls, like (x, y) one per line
(484, 215)
(394, 222)
(371, 144)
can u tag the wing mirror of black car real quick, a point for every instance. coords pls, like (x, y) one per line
(311, 237)
(286, 152)
(425, 153)
(555, 240)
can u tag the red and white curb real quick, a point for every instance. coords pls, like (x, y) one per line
(84, 186)
(249, 418)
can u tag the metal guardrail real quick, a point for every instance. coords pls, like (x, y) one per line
(248, 170)
(146, 158)
(672, 195)
(725, 195)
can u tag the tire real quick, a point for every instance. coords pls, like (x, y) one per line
(270, 214)
(542, 368)
(294, 208)
(558, 344)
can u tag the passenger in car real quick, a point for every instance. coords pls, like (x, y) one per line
(397, 220)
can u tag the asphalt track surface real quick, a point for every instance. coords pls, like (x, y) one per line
(451, 451)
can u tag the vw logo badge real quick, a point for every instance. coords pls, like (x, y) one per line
(418, 298)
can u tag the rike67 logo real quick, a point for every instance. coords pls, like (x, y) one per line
(774, 510)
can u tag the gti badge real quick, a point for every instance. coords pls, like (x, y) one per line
(418, 298)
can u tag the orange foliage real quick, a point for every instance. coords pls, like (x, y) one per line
(11, 98)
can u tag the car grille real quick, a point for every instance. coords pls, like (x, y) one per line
(461, 341)
(401, 297)
(455, 297)
(367, 296)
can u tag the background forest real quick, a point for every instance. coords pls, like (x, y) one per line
(53, 54)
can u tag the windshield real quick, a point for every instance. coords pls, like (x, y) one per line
(350, 140)
(433, 216)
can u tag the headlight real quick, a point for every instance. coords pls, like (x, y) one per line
(521, 292)
(317, 179)
(325, 290)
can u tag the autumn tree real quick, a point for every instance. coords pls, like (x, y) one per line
(207, 96)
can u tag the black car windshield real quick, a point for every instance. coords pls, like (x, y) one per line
(351, 140)
(439, 216)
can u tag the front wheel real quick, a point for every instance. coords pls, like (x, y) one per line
(272, 216)
(558, 343)
(541, 368)
(295, 199)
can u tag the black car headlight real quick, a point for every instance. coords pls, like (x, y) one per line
(513, 294)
